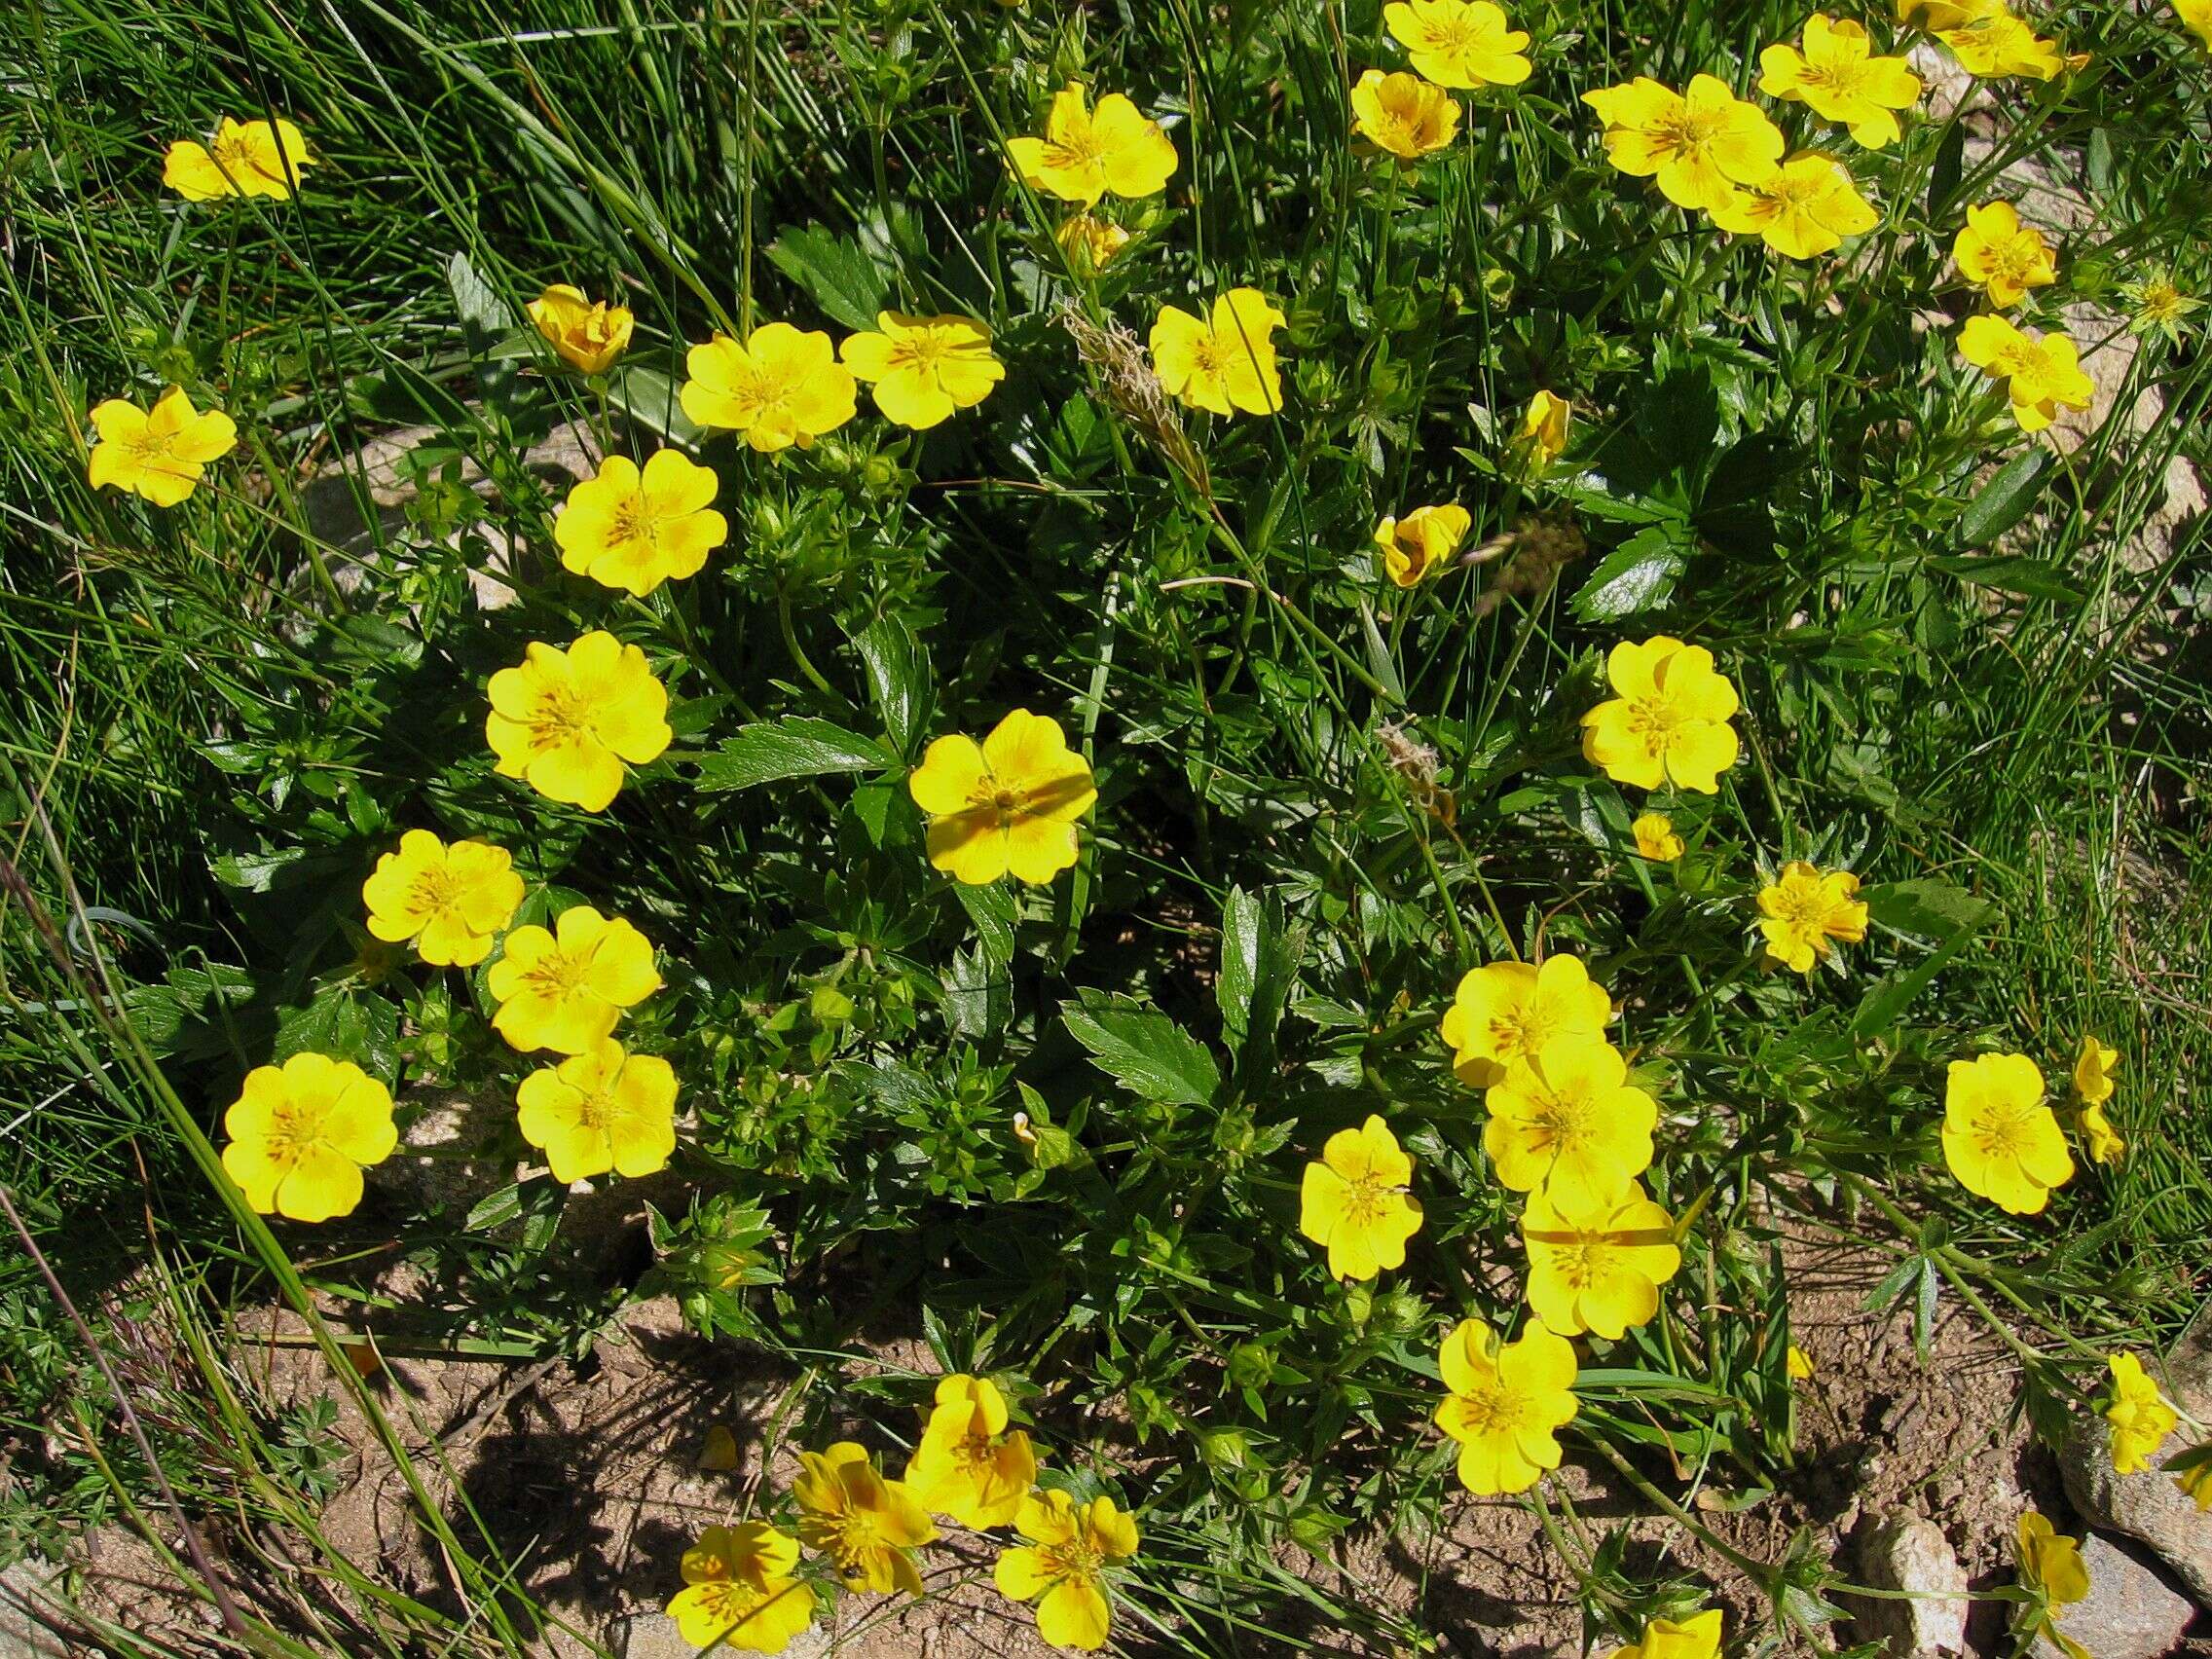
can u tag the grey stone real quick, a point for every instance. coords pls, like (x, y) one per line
(1903, 1551)
(23, 1594)
(2147, 1507)
(2130, 1612)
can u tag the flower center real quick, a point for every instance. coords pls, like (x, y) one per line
(923, 350)
(557, 975)
(634, 520)
(1583, 1261)
(1690, 132)
(1522, 1031)
(1369, 1194)
(2001, 1131)
(596, 1112)
(561, 717)
(2015, 256)
(149, 445)
(1839, 77)
(233, 156)
(1081, 148)
(1655, 722)
(1561, 1121)
(435, 891)
(1074, 1559)
(1494, 1410)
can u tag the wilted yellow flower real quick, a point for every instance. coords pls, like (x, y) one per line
(868, 1526)
(244, 158)
(2001, 255)
(2139, 1416)
(1541, 436)
(1798, 1364)
(1007, 803)
(1354, 1203)
(738, 1591)
(969, 1465)
(1838, 75)
(2156, 304)
(589, 334)
(1596, 1263)
(1089, 241)
(1667, 721)
(161, 454)
(634, 529)
(1567, 1122)
(1224, 365)
(2050, 1559)
(565, 721)
(2197, 18)
(1655, 837)
(2000, 1139)
(564, 989)
(2099, 1139)
(2093, 1067)
(1087, 154)
(1804, 208)
(1700, 145)
(1403, 114)
(1461, 44)
(2040, 371)
(1803, 908)
(1504, 1011)
(301, 1134)
(922, 368)
(605, 1109)
(1422, 544)
(1503, 1404)
(451, 900)
(1060, 1568)
(1697, 1637)
(781, 388)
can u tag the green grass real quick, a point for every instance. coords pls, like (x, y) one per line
(215, 724)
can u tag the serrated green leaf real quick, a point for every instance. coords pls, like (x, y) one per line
(835, 273)
(796, 746)
(1142, 1050)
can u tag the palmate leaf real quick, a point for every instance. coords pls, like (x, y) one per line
(1142, 1050)
(796, 746)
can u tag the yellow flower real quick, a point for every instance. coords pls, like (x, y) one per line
(1508, 1010)
(633, 530)
(1503, 1402)
(969, 1465)
(2002, 256)
(589, 334)
(1798, 1364)
(1058, 1568)
(2092, 1071)
(565, 721)
(158, 454)
(2041, 372)
(779, 389)
(1090, 243)
(2000, 1139)
(1655, 837)
(564, 989)
(2157, 305)
(1839, 76)
(1667, 721)
(1403, 114)
(603, 1109)
(738, 1591)
(923, 367)
(868, 1526)
(1007, 803)
(2196, 1483)
(1087, 154)
(2103, 1142)
(1990, 43)
(1569, 1124)
(449, 899)
(1541, 436)
(1597, 1265)
(1422, 544)
(1804, 908)
(1801, 210)
(300, 1135)
(248, 158)
(1697, 1637)
(1225, 365)
(2197, 18)
(1355, 1201)
(1700, 144)
(2052, 1561)
(1461, 44)
(2139, 1416)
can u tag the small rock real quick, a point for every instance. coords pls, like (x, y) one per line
(23, 1595)
(1903, 1551)
(2187, 1375)
(2130, 1612)
(2148, 1506)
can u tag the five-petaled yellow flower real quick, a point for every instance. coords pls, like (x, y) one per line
(451, 900)
(633, 528)
(1541, 438)
(2000, 1139)
(1984, 36)
(1700, 144)
(1089, 153)
(1224, 365)
(605, 1109)
(1668, 720)
(2093, 1067)
(1803, 908)
(1804, 208)
(2042, 373)
(1422, 544)
(1697, 1637)
(301, 1134)
(1403, 114)
(739, 1593)
(969, 1465)
(1655, 837)
(868, 1526)
(780, 387)
(564, 989)
(1504, 1403)
(159, 454)
(588, 334)
(1461, 44)
(567, 720)
(1009, 803)
(1597, 1265)
(244, 158)
(922, 368)
(1568, 1122)
(1354, 1203)
(1059, 1569)
(2196, 17)
(1839, 76)
(1090, 243)
(1507, 1010)
(2139, 1416)
(2002, 256)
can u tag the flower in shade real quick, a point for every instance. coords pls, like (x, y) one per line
(1839, 76)
(1700, 144)
(969, 1465)
(244, 158)
(2000, 255)
(1798, 1364)
(2000, 1139)
(1986, 39)
(1011, 803)
(1804, 907)
(866, 1526)
(1503, 1402)
(1420, 544)
(1060, 1568)
(2093, 1067)
(2050, 1559)
(1462, 44)
(1697, 1637)
(1541, 438)
(451, 900)
(1222, 365)
(2196, 17)
(2139, 1416)
(780, 387)
(1567, 1122)
(738, 1591)
(1354, 1203)
(1668, 719)
(564, 989)
(1655, 837)
(565, 721)
(1085, 153)
(634, 529)
(301, 1134)
(1804, 208)
(1403, 114)
(1507, 1010)
(605, 1109)
(1596, 1264)
(922, 368)
(1089, 241)
(2194, 1476)
(588, 334)
(2042, 373)
(161, 453)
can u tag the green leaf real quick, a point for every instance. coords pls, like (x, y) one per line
(648, 397)
(344, 1022)
(1142, 1050)
(2030, 579)
(835, 273)
(1259, 959)
(1880, 1010)
(484, 314)
(2004, 502)
(796, 746)
(898, 680)
(979, 994)
(1639, 575)
(1927, 907)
